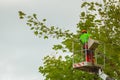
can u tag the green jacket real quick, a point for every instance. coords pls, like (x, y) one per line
(84, 37)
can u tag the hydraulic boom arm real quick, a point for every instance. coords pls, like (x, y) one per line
(103, 76)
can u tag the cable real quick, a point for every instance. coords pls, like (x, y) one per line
(73, 51)
(104, 55)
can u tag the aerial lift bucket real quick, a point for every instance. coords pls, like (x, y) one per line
(89, 66)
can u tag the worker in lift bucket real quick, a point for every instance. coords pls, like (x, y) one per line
(89, 54)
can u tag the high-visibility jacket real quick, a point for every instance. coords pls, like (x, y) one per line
(84, 37)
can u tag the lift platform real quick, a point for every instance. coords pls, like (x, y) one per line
(87, 66)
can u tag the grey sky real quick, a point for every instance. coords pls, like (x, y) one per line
(21, 52)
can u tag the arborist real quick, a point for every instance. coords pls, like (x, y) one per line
(89, 54)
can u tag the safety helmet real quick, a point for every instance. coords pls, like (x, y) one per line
(84, 31)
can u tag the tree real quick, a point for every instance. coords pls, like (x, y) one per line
(102, 21)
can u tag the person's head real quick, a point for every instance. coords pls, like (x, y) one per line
(84, 31)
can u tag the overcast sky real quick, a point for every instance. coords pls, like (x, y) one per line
(21, 52)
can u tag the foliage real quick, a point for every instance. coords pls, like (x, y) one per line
(102, 21)
(40, 29)
(58, 69)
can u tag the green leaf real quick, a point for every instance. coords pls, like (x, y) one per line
(29, 24)
(44, 20)
(21, 14)
(35, 16)
(82, 14)
(57, 47)
(36, 33)
(32, 28)
(52, 28)
(45, 37)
